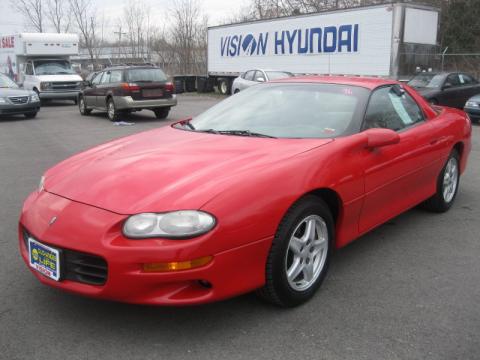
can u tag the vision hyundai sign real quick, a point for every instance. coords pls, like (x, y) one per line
(354, 41)
(316, 40)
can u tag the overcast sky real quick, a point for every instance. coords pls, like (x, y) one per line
(217, 10)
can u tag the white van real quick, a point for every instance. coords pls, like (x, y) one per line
(41, 62)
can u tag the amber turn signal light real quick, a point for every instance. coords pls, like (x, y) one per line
(177, 266)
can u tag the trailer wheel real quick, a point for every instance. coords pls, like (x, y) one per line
(224, 86)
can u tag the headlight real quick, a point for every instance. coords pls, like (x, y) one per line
(34, 98)
(176, 225)
(472, 104)
(41, 185)
(3, 100)
(45, 85)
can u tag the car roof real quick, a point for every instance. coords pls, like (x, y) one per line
(366, 82)
(126, 67)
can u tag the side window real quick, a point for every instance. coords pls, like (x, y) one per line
(106, 77)
(453, 80)
(249, 75)
(466, 79)
(29, 69)
(96, 80)
(259, 75)
(392, 108)
(116, 76)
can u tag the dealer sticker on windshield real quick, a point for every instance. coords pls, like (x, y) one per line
(44, 259)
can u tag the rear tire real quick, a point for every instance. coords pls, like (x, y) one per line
(30, 115)
(82, 107)
(224, 86)
(447, 186)
(162, 113)
(236, 91)
(300, 254)
(112, 112)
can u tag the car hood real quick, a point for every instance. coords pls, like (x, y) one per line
(14, 92)
(59, 77)
(167, 169)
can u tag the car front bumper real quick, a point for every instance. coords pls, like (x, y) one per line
(474, 113)
(127, 102)
(59, 95)
(11, 109)
(94, 231)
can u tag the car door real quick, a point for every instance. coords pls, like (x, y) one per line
(451, 94)
(89, 93)
(470, 86)
(397, 176)
(247, 80)
(28, 77)
(102, 89)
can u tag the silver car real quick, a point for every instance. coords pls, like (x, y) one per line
(14, 100)
(253, 77)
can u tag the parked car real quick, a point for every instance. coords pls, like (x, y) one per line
(124, 89)
(448, 89)
(14, 101)
(255, 193)
(254, 77)
(472, 108)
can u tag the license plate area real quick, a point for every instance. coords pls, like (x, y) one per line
(44, 259)
(152, 92)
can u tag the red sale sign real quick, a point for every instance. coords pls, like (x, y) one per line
(8, 42)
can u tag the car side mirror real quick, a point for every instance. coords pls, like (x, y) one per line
(447, 85)
(261, 79)
(381, 137)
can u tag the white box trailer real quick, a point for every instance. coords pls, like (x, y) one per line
(41, 62)
(358, 41)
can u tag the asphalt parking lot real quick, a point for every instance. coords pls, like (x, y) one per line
(408, 290)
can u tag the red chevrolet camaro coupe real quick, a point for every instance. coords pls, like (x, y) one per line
(253, 194)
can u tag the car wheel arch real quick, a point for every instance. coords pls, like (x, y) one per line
(331, 198)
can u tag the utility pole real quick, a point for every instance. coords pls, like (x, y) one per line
(120, 33)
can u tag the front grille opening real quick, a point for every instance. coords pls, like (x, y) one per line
(77, 266)
(17, 100)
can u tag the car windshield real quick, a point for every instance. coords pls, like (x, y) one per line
(146, 75)
(426, 80)
(53, 67)
(286, 111)
(6, 82)
(275, 75)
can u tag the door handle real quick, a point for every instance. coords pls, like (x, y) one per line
(434, 141)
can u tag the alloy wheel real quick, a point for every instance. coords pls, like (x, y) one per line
(450, 180)
(307, 252)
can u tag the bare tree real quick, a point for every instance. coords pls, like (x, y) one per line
(136, 21)
(188, 35)
(84, 15)
(59, 15)
(32, 11)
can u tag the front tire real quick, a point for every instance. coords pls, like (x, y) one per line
(447, 185)
(300, 254)
(82, 107)
(30, 115)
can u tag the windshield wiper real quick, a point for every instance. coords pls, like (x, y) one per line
(239, 133)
